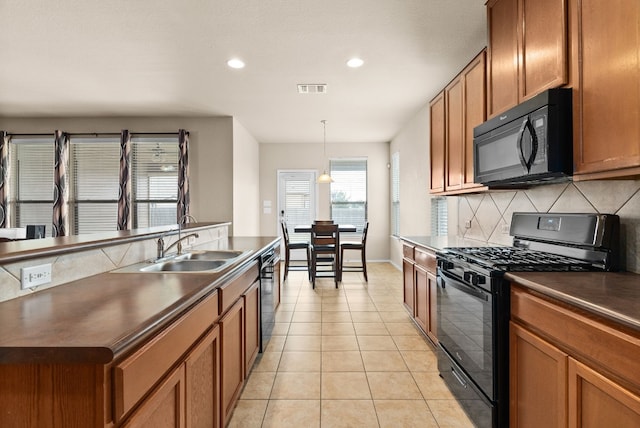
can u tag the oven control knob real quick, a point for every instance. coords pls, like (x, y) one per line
(445, 264)
(477, 279)
(468, 276)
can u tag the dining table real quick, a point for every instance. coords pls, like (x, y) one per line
(342, 228)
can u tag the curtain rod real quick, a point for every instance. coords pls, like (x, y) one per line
(96, 134)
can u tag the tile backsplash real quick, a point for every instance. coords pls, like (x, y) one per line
(76, 265)
(487, 216)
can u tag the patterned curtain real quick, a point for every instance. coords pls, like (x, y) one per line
(124, 198)
(60, 185)
(183, 174)
(4, 179)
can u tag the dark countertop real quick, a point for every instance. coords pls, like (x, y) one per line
(611, 295)
(437, 243)
(94, 319)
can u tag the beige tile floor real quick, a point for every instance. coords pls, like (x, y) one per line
(346, 357)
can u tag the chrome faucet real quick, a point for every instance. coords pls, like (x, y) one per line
(162, 251)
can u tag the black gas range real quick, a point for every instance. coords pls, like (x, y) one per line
(473, 299)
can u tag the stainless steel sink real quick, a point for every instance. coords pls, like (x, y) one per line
(211, 255)
(186, 266)
(194, 261)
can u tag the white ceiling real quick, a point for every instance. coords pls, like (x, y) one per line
(168, 57)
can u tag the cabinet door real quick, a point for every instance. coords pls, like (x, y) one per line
(543, 45)
(538, 381)
(203, 382)
(595, 401)
(251, 324)
(432, 325)
(232, 359)
(475, 105)
(607, 105)
(502, 67)
(164, 407)
(437, 142)
(421, 298)
(409, 285)
(454, 134)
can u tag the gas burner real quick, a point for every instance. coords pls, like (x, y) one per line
(518, 259)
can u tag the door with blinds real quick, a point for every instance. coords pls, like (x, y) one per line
(296, 203)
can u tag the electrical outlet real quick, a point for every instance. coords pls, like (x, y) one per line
(505, 229)
(467, 224)
(35, 275)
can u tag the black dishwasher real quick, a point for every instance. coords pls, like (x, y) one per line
(267, 284)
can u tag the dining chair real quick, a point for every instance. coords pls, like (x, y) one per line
(288, 246)
(325, 252)
(359, 246)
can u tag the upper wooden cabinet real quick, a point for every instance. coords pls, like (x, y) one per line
(527, 50)
(605, 72)
(437, 142)
(454, 114)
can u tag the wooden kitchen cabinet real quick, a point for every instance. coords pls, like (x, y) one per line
(165, 406)
(538, 381)
(251, 300)
(527, 50)
(437, 143)
(605, 70)
(408, 282)
(569, 368)
(202, 374)
(595, 401)
(420, 294)
(462, 107)
(232, 358)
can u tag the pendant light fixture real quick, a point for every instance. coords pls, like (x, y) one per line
(325, 178)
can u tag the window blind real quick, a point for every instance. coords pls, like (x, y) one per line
(439, 214)
(154, 180)
(395, 194)
(31, 181)
(349, 192)
(94, 180)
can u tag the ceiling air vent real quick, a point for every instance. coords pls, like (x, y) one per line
(312, 88)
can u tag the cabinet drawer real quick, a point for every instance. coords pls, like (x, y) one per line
(138, 373)
(231, 291)
(607, 347)
(426, 259)
(407, 251)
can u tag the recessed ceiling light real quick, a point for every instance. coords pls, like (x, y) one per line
(355, 62)
(235, 63)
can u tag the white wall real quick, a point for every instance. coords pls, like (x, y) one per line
(246, 176)
(310, 157)
(415, 208)
(210, 160)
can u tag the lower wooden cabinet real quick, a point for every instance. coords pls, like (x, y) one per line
(232, 359)
(202, 374)
(538, 386)
(568, 369)
(419, 283)
(251, 300)
(165, 407)
(596, 401)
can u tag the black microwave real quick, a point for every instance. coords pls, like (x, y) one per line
(528, 144)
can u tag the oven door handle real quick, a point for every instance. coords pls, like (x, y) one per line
(466, 288)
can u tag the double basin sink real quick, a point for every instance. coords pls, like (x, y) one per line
(192, 261)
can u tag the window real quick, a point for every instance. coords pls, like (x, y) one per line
(439, 225)
(154, 166)
(395, 194)
(94, 174)
(94, 181)
(31, 181)
(349, 192)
